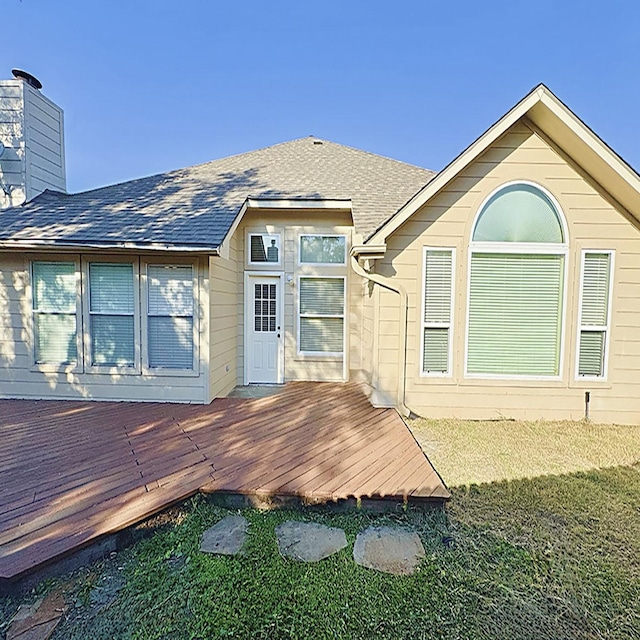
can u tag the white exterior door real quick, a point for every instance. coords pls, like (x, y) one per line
(264, 362)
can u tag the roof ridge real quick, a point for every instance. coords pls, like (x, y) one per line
(375, 155)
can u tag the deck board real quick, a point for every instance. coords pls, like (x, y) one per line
(71, 471)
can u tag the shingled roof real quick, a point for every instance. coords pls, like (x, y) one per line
(196, 206)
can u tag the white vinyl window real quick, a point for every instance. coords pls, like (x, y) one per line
(323, 249)
(55, 300)
(516, 285)
(321, 315)
(437, 309)
(170, 316)
(112, 314)
(264, 248)
(595, 311)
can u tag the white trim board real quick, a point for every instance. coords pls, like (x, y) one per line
(545, 111)
(437, 374)
(281, 204)
(607, 328)
(248, 316)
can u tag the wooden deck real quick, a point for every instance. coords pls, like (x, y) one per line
(73, 471)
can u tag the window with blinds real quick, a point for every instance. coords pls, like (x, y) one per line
(595, 303)
(170, 311)
(516, 285)
(54, 286)
(321, 315)
(515, 311)
(437, 311)
(111, 314)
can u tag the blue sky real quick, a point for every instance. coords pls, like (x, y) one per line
(152, 86)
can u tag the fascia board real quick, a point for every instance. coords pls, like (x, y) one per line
(456, 166)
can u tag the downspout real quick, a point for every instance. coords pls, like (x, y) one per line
(402, 338)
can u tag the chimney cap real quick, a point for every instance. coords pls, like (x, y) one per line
(27, 77)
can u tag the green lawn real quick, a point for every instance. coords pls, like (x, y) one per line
(551, 556)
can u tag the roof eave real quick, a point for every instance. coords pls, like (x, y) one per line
(334, 204)
(454, 167)
(61, 245)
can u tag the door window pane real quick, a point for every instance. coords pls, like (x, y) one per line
(265, 307)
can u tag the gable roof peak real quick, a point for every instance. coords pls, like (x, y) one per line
(547, 114)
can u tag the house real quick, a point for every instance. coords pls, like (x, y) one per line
(507, 284)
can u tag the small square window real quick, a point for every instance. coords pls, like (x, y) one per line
(264, 248)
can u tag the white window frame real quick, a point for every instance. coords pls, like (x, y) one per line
(144, 293)
(302, 263)
(526, 248)
(430, 325)
(263, 232)
(52, 367)
(323, 354)
(136, 368)
(606, 329)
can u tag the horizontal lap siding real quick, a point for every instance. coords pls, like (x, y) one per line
(12, 137)
(45, 167)
(290, 225)
(19, 380)
(366, 339)
(446, 221)
(223, 312)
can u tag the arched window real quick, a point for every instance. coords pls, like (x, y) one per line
(519, 213)
(518, 252)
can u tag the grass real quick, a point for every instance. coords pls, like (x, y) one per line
(476, 452)
(552, 556)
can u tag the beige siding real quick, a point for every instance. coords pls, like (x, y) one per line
(363, 299)
(224, 301)
(593, 223)
(290, 225)
(19, 378)
(44, 144)
(32, 131)
(12, 167)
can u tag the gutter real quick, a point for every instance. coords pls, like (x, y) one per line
(402, 338)
(22, 245)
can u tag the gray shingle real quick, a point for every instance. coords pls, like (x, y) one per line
(197, 205)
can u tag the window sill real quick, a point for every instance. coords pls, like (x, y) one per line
(435, 378)
(114, 370)
(319, 357)
(56, 368)
(159, 372)
(588, 383)
(515, 382)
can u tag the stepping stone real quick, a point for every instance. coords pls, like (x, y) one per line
(226, 537)
(308, 541)
(39, 620)
(388, 549)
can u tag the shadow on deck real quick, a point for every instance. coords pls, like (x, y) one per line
(71, 472)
